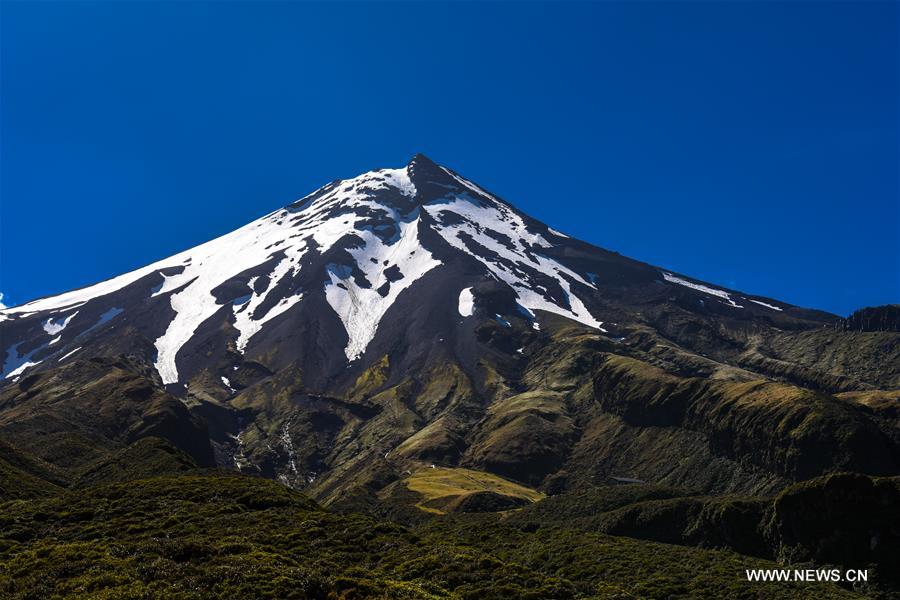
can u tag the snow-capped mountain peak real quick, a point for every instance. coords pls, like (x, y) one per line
(353, 260)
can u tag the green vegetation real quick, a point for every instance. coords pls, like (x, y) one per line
(145, 458)
(659, 514)
(25, 476)
(218, 536)
(846, 520)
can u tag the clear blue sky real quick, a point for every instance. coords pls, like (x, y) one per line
(753, 145)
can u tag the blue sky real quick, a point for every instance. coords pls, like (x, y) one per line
(752, 145)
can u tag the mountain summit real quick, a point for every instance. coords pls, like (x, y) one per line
(409, 317)
(375, 254)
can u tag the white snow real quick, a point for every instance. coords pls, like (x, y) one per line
(399, 178)
(701, 288)
(53, 327)
(54, 340)
(212, 264)
(361, 309)
(21, 369)
(244, 311)
(318, 222)
(764, 304)
(221, 259)
(170, 282)
(64, 357)
(80, 296)
(555, 232)
(466, 302)
(16, 364)
(206, 267)
(478, 218)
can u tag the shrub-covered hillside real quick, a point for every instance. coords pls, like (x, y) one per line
(226, 536)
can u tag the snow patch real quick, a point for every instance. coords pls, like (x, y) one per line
(53, 327)
(701, 288)
(244, 312)
(361, 309)
(764, 304)
(170, 282)
(21, 369)
(65, 356)
(466, 302)
(16, 363)
(399, 178)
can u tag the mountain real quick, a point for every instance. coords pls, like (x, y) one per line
(335, 265)
(408, 317)
(519, 414)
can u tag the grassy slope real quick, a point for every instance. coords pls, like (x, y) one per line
(444, 488)
(240, 537)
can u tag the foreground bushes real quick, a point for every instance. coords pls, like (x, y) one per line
(190, 537)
